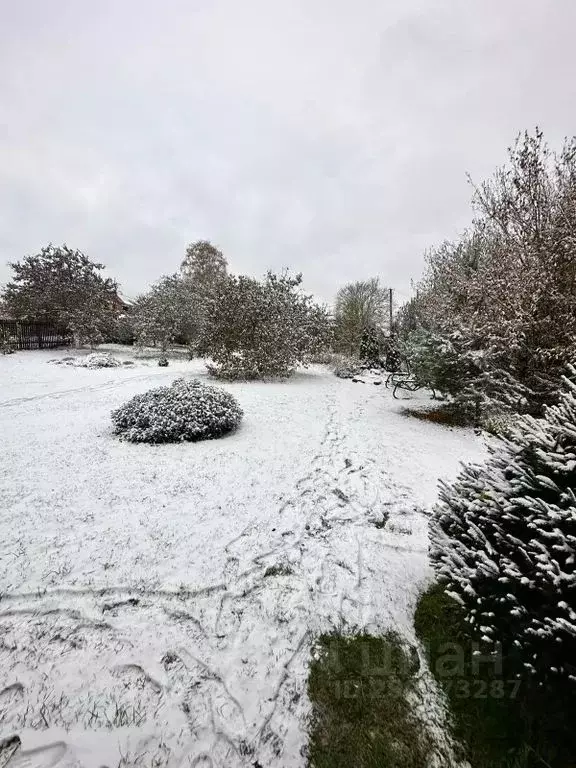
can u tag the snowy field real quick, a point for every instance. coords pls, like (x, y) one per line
(158, 603)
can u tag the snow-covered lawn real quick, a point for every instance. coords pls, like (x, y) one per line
(160, 601)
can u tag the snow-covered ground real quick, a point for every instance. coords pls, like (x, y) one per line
(159, 602)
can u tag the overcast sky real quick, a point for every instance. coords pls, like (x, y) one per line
(329, 136)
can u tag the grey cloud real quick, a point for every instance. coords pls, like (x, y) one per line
(328, 137)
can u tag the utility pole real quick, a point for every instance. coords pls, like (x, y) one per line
(390, 295)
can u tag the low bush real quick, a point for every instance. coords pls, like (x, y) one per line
(248, 365)
(325, 357)
(93, 360)
(7, 342)
(98, 360)
(370, 347)
(445, 415)
(185, 411)
(499, 423)
(346, 367)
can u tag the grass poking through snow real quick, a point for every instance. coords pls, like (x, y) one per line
(358, 687)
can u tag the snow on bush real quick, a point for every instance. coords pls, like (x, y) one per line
(347, 369)
(262, 329)
(493, 322)
(503, 538)
(98, 360)
(93, 360)
(187, 410)
(370, 347)
(472, 378)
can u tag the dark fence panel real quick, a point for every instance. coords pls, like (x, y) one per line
(29, 335)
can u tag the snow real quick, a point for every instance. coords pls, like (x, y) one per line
(187, 410)
(139, 617)
(93, 360)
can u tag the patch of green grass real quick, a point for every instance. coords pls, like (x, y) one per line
(501, 723)
(361, 717)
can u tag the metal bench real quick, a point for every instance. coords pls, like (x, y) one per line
(395, 376)
(411, 384)
(405, 379)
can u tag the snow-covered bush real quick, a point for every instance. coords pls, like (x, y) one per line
(98, 360)
(499, 423)
(6, 344)
(347, 368)
(453, 365)
(259, 329)
(122, 331)
(167, 312)
(93, 360)
(502, 296)
(503, 538)
(325, 357)
(392, 355)
(443, 363)
(370, 346)
(187, 410)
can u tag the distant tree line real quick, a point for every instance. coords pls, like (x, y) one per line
(247, 327)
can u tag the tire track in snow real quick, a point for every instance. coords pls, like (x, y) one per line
(109, 384)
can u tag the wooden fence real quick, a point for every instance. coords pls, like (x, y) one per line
(28, 335)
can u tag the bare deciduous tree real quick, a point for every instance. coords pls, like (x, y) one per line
(360, 306)
(203, 265)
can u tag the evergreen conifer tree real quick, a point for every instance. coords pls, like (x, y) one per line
(503, 539)
(369, 347)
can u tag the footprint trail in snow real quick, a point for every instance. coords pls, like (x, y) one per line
(215, 674)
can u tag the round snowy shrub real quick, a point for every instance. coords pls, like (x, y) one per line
(93, 360)
(98, 360)
(503, 539)
(187, 410)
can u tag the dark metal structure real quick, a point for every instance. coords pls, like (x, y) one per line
(23, 334)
